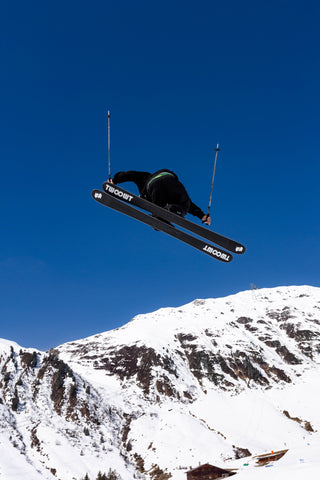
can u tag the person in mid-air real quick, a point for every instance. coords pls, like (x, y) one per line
(164, 189)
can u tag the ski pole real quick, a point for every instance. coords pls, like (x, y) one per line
(217, 149)
(109, 162)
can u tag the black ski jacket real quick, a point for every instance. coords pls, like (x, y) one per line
(143, 180)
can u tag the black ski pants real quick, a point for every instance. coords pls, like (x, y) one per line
(168, 192)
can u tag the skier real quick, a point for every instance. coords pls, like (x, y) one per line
(164, 189)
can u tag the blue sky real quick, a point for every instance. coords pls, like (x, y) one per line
(178, 77)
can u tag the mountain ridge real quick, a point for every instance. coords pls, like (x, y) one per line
(168, 389)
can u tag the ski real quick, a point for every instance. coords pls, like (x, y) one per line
(158, 224)
(139, 202)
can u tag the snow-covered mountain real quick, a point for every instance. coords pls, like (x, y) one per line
(210, 382)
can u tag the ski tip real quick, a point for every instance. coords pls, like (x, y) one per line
(96, 194)
(240, 249)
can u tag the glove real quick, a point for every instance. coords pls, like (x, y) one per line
(206, 219)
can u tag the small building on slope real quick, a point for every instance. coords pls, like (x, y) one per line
(208, 472)
(266, 458)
